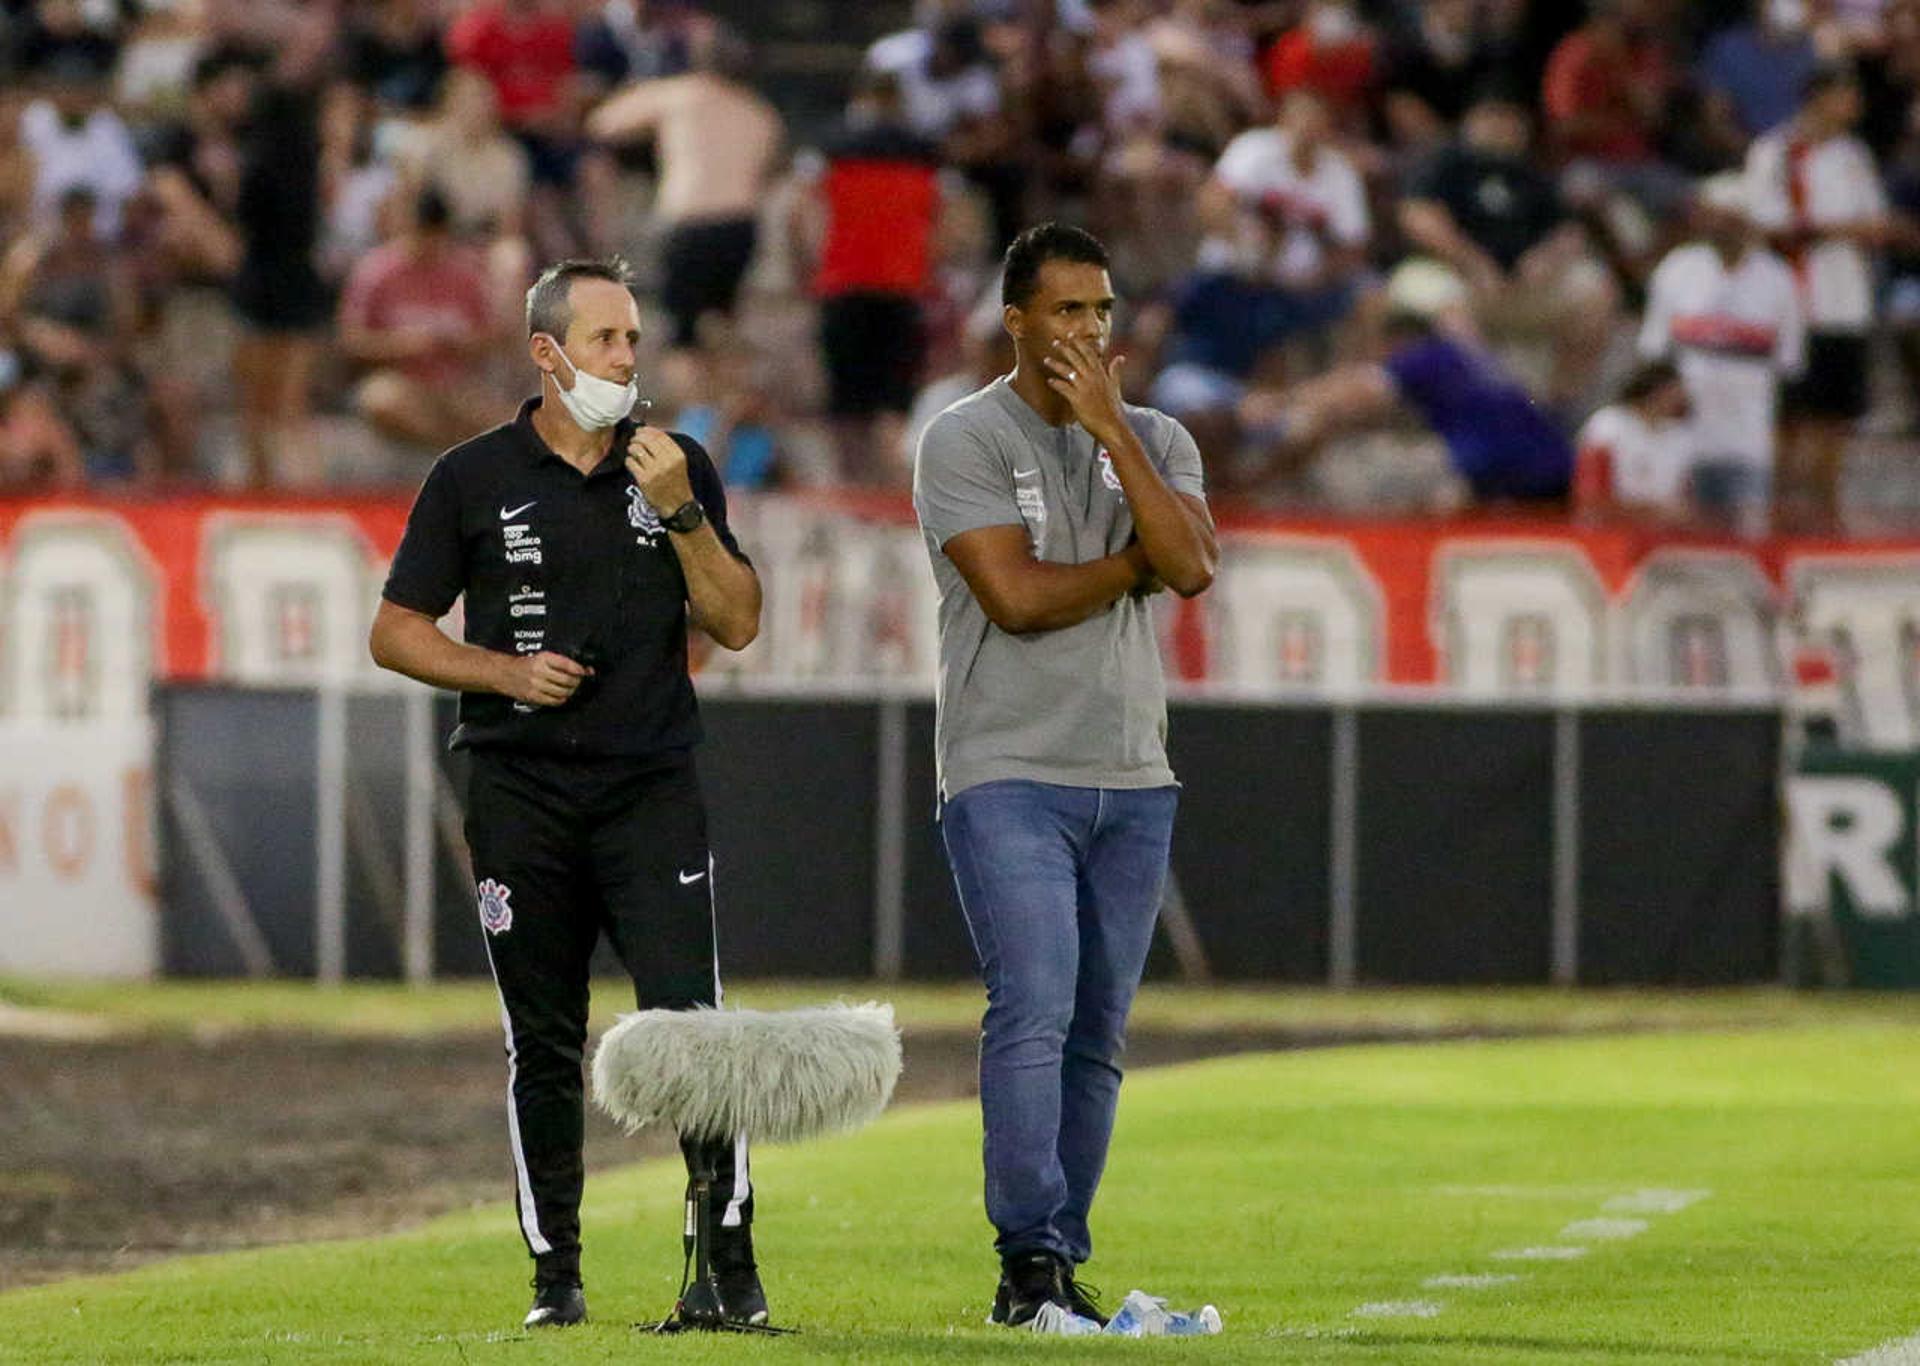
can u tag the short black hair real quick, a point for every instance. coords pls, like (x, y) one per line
(549, 305)
(1038, 245)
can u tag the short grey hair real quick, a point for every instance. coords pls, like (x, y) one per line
(549, 302)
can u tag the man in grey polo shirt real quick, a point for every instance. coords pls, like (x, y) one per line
(1052, 510)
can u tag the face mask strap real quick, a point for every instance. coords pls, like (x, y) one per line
(563, 356)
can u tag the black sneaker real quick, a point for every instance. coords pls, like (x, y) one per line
(1027, 1281)
(1082, 1298)
(736, 1276)
(557, 1304)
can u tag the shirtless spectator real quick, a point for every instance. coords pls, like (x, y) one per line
(417, 313)
(716, 142)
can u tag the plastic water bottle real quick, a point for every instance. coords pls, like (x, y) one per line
(1141, 1315)
(1204, 1323)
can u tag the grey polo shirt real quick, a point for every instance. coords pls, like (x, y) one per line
(1085, 705)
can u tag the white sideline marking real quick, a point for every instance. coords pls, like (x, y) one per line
(1539, 1254)
(1479, 1280)
(1529, 1192)
(1398, 1309)
(1905, 1352)
(1654, 1201)
(1605, 1230)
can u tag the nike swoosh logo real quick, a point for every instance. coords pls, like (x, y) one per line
(1025, 474)
(507, 516)
(688, 879)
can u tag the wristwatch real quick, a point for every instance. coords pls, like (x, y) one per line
(687, 517)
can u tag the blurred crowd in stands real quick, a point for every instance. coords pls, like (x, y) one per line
(1629, 259)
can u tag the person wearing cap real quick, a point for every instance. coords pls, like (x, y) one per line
(1725, 310)
(1500, 442)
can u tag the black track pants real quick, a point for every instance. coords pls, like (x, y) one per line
(562, 851)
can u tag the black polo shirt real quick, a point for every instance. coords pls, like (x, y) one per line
(551, 559)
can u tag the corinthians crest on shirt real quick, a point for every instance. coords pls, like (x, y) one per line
(496, 908)
(641, 516)
(1107, 476)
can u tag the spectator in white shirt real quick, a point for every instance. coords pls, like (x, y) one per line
(1816, 193)
(1726, 311)
(1634, 459)
(1286, 207)
(77, 142)
(1286, 221)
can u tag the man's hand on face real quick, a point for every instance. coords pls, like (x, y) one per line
(1090, 384)
(659, 467)
(545, 679)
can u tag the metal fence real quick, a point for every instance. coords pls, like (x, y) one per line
(1380, 837)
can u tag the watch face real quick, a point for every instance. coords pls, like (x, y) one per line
(686, 517)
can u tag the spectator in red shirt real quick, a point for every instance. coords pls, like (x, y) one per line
(526, 49)
(874, 219)
(1330, 51)
(417, 312)
(1605, 96)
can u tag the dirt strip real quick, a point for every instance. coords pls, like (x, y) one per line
(116, 1151)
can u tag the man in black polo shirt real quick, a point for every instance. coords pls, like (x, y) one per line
(585, 543)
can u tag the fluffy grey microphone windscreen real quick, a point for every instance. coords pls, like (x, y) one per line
(779, 1076)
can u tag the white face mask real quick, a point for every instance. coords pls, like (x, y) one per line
(594, 403)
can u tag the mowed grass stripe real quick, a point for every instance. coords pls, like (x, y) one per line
(390, 1009)
(1287, 1189)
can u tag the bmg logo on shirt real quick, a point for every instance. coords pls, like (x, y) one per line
(523, 547)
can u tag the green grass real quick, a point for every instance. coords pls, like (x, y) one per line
(391, 1009)
(1288, 1189)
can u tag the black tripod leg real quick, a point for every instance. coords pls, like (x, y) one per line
(699, 1305)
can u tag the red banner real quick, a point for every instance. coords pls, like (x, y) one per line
(99, 595)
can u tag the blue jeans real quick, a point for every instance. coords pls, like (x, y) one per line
(1061, 887)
